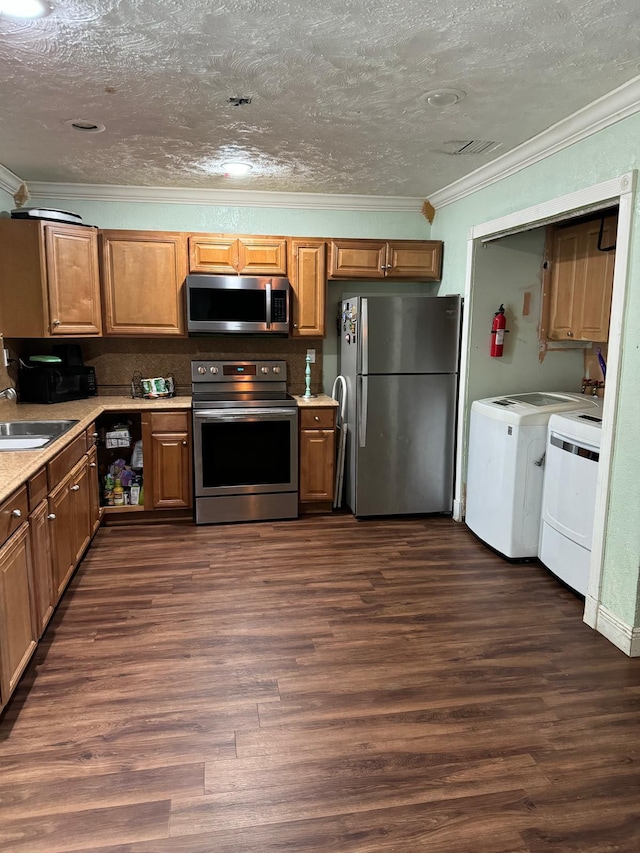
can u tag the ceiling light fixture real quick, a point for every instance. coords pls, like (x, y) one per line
(234, 167)
(25, 8)
(444, 97)
(84, 125)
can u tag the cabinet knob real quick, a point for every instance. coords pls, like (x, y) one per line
(295, 325)
(75, 488)
(316, 418)
(94, 435)
(569, 334)
(52, 516)
(56, 323)
(16, 513)
(92, 464)
(184, 443)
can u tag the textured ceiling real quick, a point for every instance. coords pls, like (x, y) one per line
(337, 88)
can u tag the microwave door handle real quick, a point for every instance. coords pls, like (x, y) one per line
(268, 305)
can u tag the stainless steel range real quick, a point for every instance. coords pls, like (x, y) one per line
(245, 441)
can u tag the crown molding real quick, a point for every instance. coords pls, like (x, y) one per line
(225, 198)
(8, 181)
(611, 108)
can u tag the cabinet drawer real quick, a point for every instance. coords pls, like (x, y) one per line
(37, 488)
(13, 512)
(169, 421)
(312, 418)
(61, 464)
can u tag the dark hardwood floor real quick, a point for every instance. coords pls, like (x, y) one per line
(319, 686)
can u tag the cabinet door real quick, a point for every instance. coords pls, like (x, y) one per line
(580, 283)
(167, 460)
(592, 316)
(317, 453)
(17, 631)
(308, 277)
(419, 260)
(43, 601)
(262, 256)
(143, 280)
(72, 280)
(213, 254)
(95, 511)
(357, 259)
(80, 488)
(62, 537)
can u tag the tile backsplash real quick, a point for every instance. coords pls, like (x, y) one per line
(116, 359)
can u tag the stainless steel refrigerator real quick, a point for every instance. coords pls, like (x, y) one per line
(399, 356)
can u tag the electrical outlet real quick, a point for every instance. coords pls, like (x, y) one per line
(312, 353)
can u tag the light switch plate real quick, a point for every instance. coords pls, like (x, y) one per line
(312, 353)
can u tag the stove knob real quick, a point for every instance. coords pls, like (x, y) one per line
(276, 370)
(202, 370)
(213, 370)
(264, 369)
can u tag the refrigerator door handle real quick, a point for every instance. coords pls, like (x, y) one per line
(364, 336)
(362, 413)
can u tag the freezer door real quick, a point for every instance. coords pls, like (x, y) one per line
(403, 445)
(409, 334)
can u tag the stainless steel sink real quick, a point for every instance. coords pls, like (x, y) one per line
(31, 435)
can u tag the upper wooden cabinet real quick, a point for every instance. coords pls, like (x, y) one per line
(578, 281)
(143, 275)
(417, 260)
(49, 282)
(308, 277)
(228, 254)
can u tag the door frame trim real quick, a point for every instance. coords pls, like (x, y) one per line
(620, 190)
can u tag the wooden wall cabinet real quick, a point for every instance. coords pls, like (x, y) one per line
(143, 275)
(416, 260)
(308, 277)
(317, 457)
(51, 285)
(166, 439)
(578, 282)
(229, 254)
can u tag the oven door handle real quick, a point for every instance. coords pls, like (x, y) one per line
(248, 414)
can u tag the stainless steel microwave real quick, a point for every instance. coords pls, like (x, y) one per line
(218, 304)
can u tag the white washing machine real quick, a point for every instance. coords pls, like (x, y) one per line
(507, 441)
(569, 496)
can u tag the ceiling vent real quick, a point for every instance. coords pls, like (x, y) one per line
(470, 146)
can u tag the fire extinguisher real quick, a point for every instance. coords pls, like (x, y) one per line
(498, 332)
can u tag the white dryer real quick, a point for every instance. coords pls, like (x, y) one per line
(569, 496)
(507, 441)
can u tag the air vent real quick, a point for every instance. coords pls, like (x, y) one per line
(470, 146)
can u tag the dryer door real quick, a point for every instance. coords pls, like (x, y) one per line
(569, 496)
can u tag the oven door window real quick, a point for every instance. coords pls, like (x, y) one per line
(246, 453)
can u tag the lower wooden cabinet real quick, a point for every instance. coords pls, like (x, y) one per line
(317, 457)
(166, 439)
(18, 637)
(71, 530)
(39, 534)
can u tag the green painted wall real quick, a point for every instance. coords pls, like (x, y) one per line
(601, 157)
(245, 220)
(6, 202)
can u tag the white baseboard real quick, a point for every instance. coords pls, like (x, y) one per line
(621, 634)
(457, 510)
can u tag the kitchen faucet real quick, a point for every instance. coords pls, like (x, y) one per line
(9, 393)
